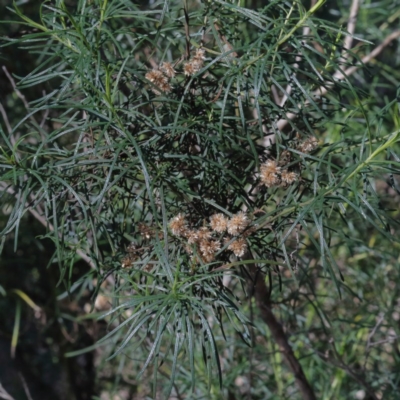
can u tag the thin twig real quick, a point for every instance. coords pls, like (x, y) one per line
(337, 361)
(46, 113)
(340, 364)
(374, 329)
(366, 59)
(275, 95)
(18, 93)
(227, 45)
(4, 395)
(351, 27)
(323, 90)
(288, 90)
(5, 118)
(25, 386)
(45, 222)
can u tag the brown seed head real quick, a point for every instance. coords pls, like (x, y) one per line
(158, 79)
(204, 233)
(199, 54)
(198, 59)
(132, 248)
(178, 225)
(238, 246)
(165, 87)
(188, 250)
(208, 247)
(127, 261)
(155, 76)
(289, 177)
(270, 173)
(309, 145)
(218, 222)
(145, 231)
(285, 158)
(238, 223)
(168, 69)
(192, 236)
(190, 68)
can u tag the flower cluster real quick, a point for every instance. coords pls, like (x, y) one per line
(161, 77)
(272, 174)
(131, 256)
(308, 145)
(195, 63)
(204, 243)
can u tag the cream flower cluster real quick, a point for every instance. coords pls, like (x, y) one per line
(272, 172)
(195, 64)
(160, 77)
(206, 241)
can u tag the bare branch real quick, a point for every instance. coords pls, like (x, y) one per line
(5, 118)
(351, 27)
(45, 222)
(288, 90)
(4, 395)
(19, 94)
(323, 90)
(14, 86)
(25, 386)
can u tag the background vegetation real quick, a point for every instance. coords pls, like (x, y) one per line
(112, 164)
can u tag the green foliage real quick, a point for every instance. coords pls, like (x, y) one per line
(112, 154)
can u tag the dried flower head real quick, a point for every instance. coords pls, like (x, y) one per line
(204, 233)
(167, 69)
(309, 145)
(208, 247)
(190, 68)
(238, 223)
(127, 261)
(189, 249)
(208, 258)
(146, 231)
(178, 225)
(165, 87)
(148, 267)
(199, 54)
(195, 63)
(198, 59)
(192, 236)
(132, 248)
(158, 79)
(270, 173)
(218, 222)
(288, 177)
(155, 76)
(285, 158)
(238, 247)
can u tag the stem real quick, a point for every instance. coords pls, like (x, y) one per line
(307, 15)
(261, 295)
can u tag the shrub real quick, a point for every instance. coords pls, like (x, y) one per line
(197, 155)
